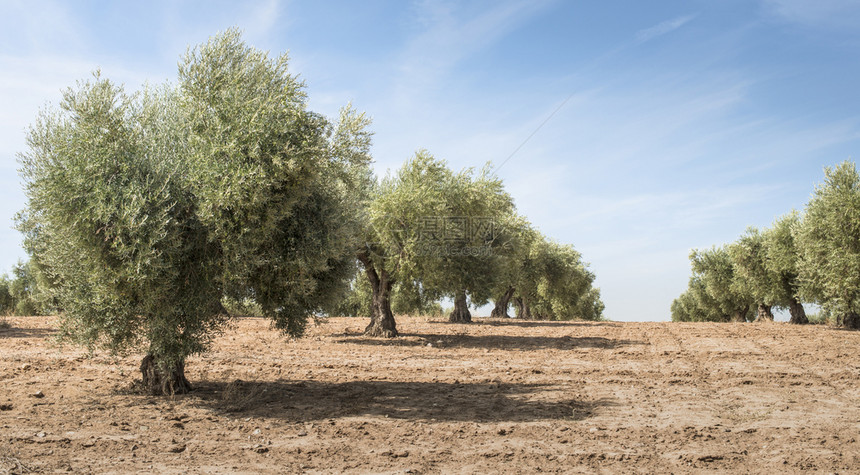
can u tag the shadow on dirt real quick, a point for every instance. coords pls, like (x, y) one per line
(505, 342)
(15, 332)
(302, 401)
(514, 322)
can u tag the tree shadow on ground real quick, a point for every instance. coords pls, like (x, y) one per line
(16, 332)
(506, 342)
(515, 322)
(303, 401)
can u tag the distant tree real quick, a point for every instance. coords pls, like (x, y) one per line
(407, 298)
(519, 234)
(758, 280)
(24, 289)
(146, 210)
(697, 305)
(412, 298)
(715, 269)
(829, 242)
(401, 212)
(782, 258)
(544, 279)
(555, 284)
(430, 230)
(465, 258)
(7, 304)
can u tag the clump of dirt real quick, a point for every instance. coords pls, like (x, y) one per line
(492, 396)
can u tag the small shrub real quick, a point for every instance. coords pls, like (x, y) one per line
(820, 318)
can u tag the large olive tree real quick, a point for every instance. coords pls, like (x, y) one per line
(829, 243)
(145, 210)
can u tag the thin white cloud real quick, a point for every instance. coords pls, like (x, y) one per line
(842, 15)
(663, 28)
(447, 38)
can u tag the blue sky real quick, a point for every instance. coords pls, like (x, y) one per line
(672, 124)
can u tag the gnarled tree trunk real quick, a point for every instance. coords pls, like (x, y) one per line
(163, 382)
(461, 309)
(500, 310)
(522, 308)
(798, 314)
(382, 322)
(851, 320)
(764, 313)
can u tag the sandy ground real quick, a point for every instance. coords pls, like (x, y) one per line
(490, 397)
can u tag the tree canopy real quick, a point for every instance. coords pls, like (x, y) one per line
(145, 210)
(828, 239)
(812, 257)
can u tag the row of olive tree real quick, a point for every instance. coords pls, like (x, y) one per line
(18, 294)
(148, 211)
(432, 233)
(810, 258)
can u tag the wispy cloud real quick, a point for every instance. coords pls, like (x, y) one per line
(843, 15)
(448, 36)
(663, 28)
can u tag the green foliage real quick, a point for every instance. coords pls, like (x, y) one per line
(829, 242)
(434, 228)
(356, 301)
(7, 303)
(696, 305)
(725, 290)
(20, 294)
(411, 298)
(27, 290)
(276, 182)
(146, 210)
(549, 278)
(110, 222)
(754, 276)
(556, 284)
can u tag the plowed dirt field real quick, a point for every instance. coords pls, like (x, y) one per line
(490, 397)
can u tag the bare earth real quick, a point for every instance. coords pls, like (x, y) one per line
(494, 396)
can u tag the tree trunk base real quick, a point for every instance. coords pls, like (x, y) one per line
(381, 328)
(764, 314)
(461, 312)
(500, 309)
(798, 314)
(157, 383)
(851, 321)
(496, 313)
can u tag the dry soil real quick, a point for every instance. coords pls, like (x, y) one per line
(490, 397)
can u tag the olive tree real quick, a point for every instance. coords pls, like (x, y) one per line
(431, 231)
(721, 280)
(520, 236)
(696, 304)
(117, 230)
(781, 260)
(554, 284)
(749, 259)
(277, 184)
(399, 216)
(464, 248)
(145, 210)
(828, 239)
